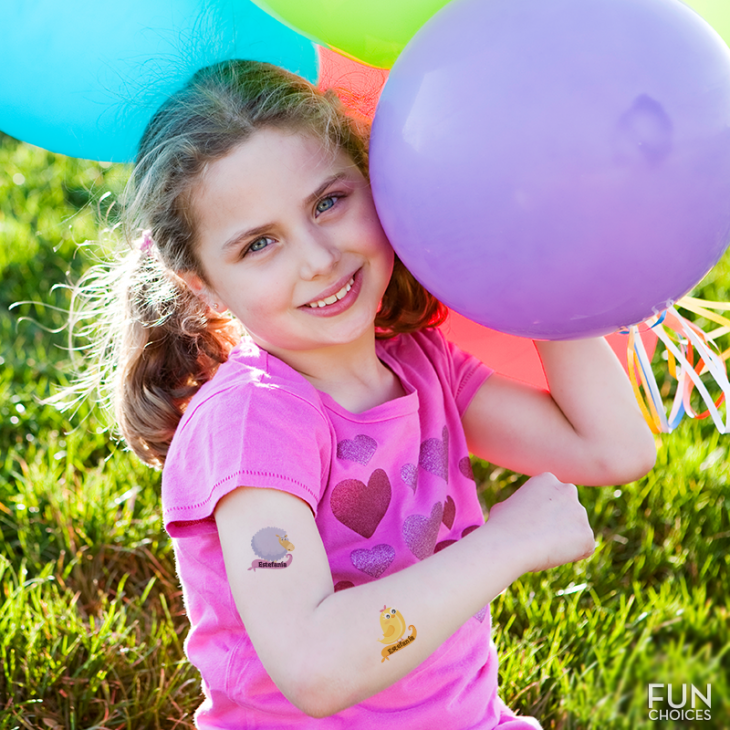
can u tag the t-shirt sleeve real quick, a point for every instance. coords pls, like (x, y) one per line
(254, 436)
(465, 373)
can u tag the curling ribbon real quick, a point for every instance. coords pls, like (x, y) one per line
(682, 340)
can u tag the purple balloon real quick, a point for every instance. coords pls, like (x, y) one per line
(557, 169)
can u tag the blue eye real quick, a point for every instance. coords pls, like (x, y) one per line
(259, 244)
(326, 203)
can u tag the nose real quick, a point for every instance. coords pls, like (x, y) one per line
(319, 254)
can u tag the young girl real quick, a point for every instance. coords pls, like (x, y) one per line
(316, 478)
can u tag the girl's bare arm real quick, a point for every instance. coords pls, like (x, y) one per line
(323, 649)
(588, 429)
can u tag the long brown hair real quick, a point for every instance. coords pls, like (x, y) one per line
(159, 343)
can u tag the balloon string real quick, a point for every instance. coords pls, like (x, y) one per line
(633, 362)
(698, 306)
(691, 374)
(651, 387)
(682, 339)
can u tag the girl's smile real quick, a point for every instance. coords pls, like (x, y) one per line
(290, 243)
(336, 300)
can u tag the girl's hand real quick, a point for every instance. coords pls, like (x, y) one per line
(545, 517)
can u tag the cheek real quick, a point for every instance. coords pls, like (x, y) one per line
(262, 307)
(388, 257)
(369, 218)
(258, 310)
(378, 244)
(376, 229)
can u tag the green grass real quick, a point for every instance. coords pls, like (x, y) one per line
(91, 615)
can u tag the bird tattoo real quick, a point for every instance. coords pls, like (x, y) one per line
(393, 626)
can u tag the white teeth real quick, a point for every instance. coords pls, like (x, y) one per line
(334, 297)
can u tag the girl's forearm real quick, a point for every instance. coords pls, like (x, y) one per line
(342, 655)
(591, 389)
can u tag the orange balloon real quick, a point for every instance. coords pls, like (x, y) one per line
(357, 86)
(516, 357)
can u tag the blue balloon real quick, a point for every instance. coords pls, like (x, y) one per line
(84, 77)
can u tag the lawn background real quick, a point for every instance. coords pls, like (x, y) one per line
(91, 616)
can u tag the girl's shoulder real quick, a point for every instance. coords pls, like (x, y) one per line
(428, 361)
(428, 342)
(236, 431)
(251, 379)
(427, 348)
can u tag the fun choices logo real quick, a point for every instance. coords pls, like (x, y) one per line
(679, 702)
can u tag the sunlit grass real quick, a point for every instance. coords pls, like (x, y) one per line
(91, 615)
(581, 644)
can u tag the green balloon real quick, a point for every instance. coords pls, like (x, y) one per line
(370, 31)
(716, 13)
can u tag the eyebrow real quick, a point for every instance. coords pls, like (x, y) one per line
(259, 230)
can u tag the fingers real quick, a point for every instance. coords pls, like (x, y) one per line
(558, 523)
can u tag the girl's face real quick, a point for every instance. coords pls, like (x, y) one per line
(290, 242)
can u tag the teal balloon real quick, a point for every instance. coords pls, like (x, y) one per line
(84, 77)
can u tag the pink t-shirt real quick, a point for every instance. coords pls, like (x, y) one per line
(388, 487)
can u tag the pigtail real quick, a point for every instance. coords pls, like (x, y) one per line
(146, 344)
(170, 345)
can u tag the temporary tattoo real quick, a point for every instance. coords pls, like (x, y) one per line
(394, 626)
(271, 544)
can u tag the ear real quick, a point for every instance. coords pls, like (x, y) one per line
(200, 289)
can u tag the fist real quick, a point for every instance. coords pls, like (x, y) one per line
(547, 522)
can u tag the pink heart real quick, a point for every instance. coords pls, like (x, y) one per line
(420, 533)
(469, 529)
(360, 449)
(434, 455)
(449, 512)
(409, 474)
(359, 507)
(443, 544)
(465, 468)
(375, 561)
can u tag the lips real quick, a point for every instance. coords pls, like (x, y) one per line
(333, 297)
(336, 298)
(338, 290)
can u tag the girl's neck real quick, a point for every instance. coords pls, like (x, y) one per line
(351, 374)
(362, 391)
